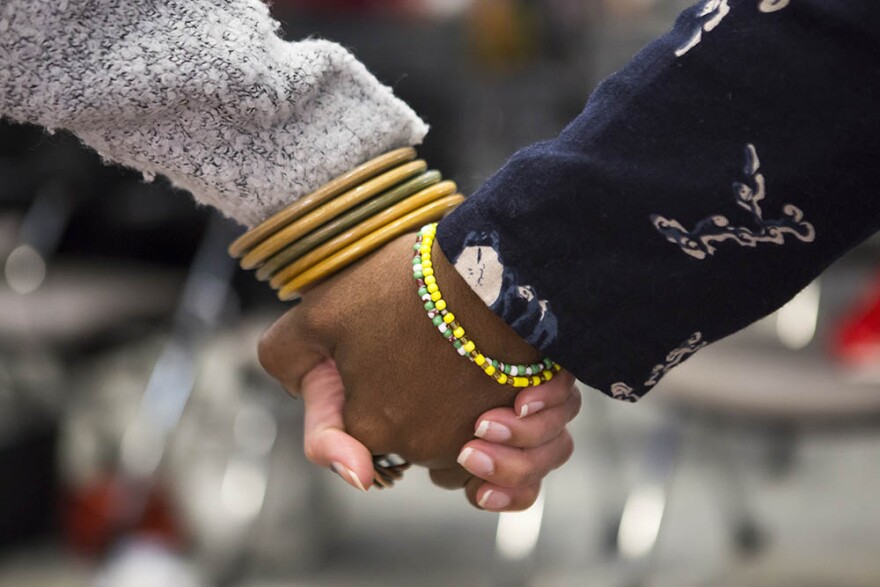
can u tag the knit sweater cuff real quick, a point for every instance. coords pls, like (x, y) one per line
(210, 97)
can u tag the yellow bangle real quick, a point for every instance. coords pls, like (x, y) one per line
(366, 245)
(319, 197)
(344, 220)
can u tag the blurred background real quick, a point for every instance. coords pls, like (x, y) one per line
(141, 444)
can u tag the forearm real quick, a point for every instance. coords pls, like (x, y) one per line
(204, 93)
(701, 188)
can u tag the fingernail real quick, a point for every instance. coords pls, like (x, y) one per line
(493, 431)
(493, 500)
(347, 475)
(476, 462)
(531, 409)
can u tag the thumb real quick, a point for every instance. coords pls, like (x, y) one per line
(326, 442)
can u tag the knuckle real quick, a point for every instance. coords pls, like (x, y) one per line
(578, 402)
(524, 497)
(533, 435)
(470, 491)
(545, 428)
(373, 431)
(567, 378)
(527, 474)
(312, 321)
(527, 498)
(266, 352)
(311, 452)
(449, 479)
(566, 448)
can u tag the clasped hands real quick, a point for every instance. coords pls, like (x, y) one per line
(377, 378)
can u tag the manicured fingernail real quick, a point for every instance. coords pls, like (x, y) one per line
(531, 409)
(493, 500)
(493, 431)
(347, 475)
(476, 462)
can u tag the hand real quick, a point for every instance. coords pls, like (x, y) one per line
(399, 388)
(523, 443)
(537, 443)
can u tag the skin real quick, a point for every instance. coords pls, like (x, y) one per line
(377, 378)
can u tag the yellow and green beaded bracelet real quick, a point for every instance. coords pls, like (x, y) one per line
(517, 375)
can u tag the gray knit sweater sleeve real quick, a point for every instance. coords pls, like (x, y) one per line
(201, 91)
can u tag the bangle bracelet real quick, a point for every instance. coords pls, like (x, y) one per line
(517, 375)
(371, 225)
(350, 219)
(319, 197)
(367, 245)
(338, 205)
(344, 220)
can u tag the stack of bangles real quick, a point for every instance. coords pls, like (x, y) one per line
(345, 220)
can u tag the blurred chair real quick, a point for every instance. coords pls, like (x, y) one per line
(52, 308)
(772, 383)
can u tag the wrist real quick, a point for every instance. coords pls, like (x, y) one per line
(495, 337)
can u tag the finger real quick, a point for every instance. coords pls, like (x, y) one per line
(503, 426)
(452, 478)
(493, 498)
(513, 467)
(287, 350)
(553, 393)
(326, 442)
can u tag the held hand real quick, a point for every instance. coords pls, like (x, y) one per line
(517, 447)
(523, 442)
(400, 388)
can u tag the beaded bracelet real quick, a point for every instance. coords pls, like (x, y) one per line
(429, 292)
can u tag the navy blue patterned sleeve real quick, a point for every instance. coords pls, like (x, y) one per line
(701, 188)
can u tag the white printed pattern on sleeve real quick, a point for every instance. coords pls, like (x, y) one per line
(713, 12)
(695, 342)
(772, 5)
(710, 16)
(482, 268)
(699, 242)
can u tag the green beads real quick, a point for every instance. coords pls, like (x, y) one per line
(429, 291)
